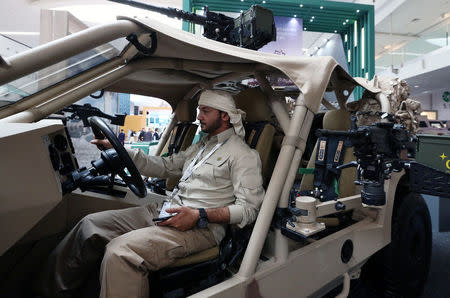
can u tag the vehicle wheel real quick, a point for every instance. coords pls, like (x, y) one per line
(401, 268)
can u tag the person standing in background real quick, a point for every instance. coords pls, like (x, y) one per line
(157, 134)
(121, 137)
(141, 134)
(148, 135)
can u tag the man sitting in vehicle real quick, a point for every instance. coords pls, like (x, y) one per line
(221, 184)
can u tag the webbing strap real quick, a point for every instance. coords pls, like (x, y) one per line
(173, 139)
(329, 155)
(306, 171)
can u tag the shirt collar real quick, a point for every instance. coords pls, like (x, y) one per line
(221, 137)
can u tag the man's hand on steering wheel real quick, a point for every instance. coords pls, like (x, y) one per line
(116, 158)
(102, 144)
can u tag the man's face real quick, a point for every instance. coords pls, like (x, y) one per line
(210, 119)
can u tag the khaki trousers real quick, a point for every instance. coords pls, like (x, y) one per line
(130, 244)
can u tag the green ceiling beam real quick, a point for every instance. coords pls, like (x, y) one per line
(187, 6)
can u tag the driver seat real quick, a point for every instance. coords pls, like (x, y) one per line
(206, 268)
(200, 270)
(181, 136)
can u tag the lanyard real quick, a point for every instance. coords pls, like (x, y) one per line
(192, 167)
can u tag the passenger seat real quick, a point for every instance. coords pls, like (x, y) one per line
(335, 120)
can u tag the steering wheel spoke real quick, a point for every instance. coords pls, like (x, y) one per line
(134, 180)
(125, 177)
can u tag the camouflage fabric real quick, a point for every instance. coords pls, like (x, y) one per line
(407, 114)
(403, 109)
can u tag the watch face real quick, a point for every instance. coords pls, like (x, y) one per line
(202, 223)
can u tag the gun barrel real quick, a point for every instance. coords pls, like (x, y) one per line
(170, 12)
(327, 132)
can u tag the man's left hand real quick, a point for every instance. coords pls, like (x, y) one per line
(185, 219)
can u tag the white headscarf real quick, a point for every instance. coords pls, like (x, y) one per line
(223, 101)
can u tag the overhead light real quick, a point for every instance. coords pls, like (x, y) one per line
(357, 11)
(346, 20)
(321, 7)
(304, 29)
(264, 2)
(19, 33)
(301, 5)
(311, 20)
(295, 15)
(241, 11)
(335, 31)
(242, 0)
(313, 17)
(344, 23)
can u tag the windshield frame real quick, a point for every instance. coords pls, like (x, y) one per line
(26, 63)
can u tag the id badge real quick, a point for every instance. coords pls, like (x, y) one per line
(163, 212)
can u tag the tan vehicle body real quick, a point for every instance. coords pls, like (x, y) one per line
(33, 206)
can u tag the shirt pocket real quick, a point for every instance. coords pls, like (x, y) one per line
(221, 169)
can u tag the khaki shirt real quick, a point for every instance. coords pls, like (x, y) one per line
(231, 177)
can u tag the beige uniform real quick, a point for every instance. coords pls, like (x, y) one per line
(231, 177)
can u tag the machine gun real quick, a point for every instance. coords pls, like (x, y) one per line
(381, 149)
(252, 29)
(85, 111)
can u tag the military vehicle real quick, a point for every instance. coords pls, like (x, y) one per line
(317, 233)
(432, 127)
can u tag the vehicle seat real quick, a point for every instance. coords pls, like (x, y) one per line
(181, 136)
(259, 135)
(259, 131)
(335, 120)
(201, 270)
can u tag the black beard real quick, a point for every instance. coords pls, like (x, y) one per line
(214, 126)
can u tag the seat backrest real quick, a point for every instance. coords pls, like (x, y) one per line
(259, 132)
(184, 131)
(335, 120)
(182, 135)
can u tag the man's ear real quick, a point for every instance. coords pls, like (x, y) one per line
(224, 116)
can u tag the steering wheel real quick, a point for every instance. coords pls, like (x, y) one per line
(134, 180)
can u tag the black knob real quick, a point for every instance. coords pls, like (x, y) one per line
(339, 206)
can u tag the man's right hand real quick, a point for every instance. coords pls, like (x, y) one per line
(102, 144)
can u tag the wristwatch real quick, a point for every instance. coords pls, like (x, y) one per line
(202, 219)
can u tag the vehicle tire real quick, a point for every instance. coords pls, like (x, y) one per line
(401, 268)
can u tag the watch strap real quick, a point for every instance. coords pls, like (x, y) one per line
(203, 213)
